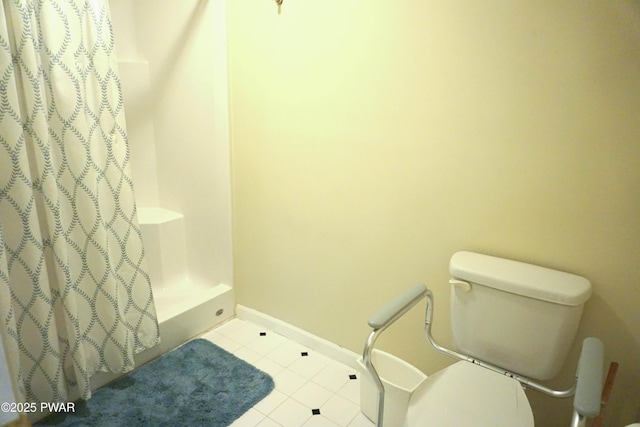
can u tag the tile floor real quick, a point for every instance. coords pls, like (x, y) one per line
(311, 390)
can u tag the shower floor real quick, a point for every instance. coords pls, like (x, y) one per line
(311, 389)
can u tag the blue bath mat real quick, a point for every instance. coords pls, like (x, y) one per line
(198, 384)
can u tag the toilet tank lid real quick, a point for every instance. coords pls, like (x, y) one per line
(520, 278)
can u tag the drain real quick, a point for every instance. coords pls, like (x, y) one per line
(219, 312)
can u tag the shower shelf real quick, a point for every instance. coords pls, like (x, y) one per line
(163, 234)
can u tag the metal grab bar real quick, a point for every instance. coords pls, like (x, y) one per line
(381, 320)
(521, 379)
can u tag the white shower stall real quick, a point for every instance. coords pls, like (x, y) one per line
(173, 68)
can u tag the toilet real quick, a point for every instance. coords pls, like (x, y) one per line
(467, 395)
(516, 317)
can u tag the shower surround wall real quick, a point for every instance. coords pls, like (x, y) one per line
(172, 60)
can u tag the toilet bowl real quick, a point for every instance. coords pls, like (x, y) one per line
(464, 394)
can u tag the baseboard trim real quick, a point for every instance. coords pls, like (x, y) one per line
(308, 339)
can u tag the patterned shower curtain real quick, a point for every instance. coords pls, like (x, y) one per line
(75, 297)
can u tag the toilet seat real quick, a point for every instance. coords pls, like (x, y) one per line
(464, 395)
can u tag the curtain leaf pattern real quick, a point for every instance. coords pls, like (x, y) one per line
(75, 297)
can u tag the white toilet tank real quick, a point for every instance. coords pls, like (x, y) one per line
(518, 316)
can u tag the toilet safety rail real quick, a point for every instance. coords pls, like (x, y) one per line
(587, 387)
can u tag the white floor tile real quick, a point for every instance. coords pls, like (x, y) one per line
(351, 391)
(268, 422)
(267, 343)
(340, 410)
(211, 335)
(246, 334)
(271, 402)
(225, 342)
(319, 421)
(269, 366)
(312, 395)
(287, 353)
(247, 355)
(230, 326)
(288, 381)
(308, 366)
(291, 414)
(251, 418)
(361, 421)
(332, 377)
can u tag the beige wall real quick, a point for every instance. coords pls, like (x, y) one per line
(372, 139)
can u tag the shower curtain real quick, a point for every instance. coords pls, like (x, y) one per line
(75, 297)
